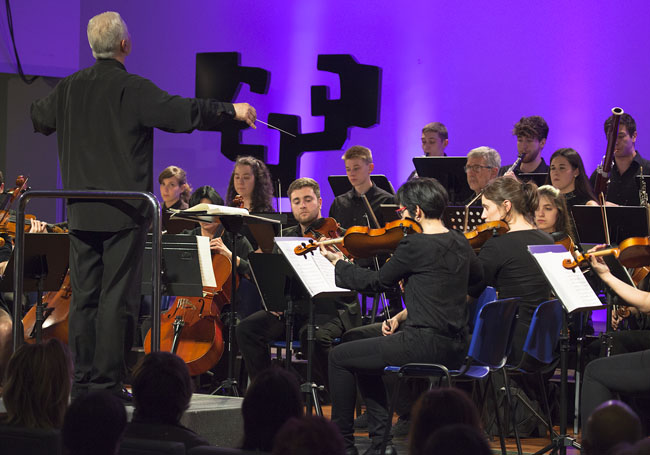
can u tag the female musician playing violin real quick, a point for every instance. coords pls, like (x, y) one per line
(552, 214)
(606, 377)
(439, 264)
(251, 180)
(507, 264)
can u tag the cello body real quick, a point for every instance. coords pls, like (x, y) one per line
(56, 307)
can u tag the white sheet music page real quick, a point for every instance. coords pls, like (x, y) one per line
(570, 286)
(315, 271)
(205, 261)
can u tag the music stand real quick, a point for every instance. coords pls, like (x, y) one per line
(316, 274)
(454, 217)
(232, 220)
(623, 221)
(449, 171)
(389, 212)
(341, 184)
(180, 269)
(263, 232)
(273, 277)
(46, 264)
(575, 294)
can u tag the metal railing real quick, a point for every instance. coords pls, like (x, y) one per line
(19, 252)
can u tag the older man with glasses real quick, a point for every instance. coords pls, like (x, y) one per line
(482, 167)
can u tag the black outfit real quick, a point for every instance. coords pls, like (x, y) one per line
(572, 198)
(164, 216)
(141, 429)
(606, 377)
(512, 270)
(541, 169)
(104, 118)
(256, 331)
(438, 269)
(624, 189)
(244, 248)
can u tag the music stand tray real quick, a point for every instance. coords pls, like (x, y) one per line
(43, 249)
(271, 273)
(341, 184)
(624, 222)
(449, 171)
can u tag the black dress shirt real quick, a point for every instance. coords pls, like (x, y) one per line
(541, 169)
(624, 189)
(104, 118)
(350, 210)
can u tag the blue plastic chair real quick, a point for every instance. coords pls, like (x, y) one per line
(488, 352)
(540, 351)
(489, 294)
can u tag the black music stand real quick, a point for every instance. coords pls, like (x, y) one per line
(449, 171)
(263, 232)
(454, 217)
(232, 223)
(180, 269)
(316, 275)
(341, 184)
(623, 221)
(46, 264)
(273, 277)
(575, 294)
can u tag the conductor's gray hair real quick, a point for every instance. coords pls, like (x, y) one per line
(105, 33)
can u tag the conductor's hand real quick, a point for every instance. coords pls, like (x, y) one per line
(245, 113)
(389, 326)
(597, 263)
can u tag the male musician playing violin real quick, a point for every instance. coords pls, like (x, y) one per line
(256, 331)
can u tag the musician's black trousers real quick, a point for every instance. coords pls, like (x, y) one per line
(106, 274)
(260, 328)
(606, 377)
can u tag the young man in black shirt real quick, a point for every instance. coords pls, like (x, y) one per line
(256, 331)
(435, 140)
(623, 187)
(104, 118)
(531, 133)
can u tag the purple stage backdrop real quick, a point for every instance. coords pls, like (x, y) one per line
(475, 66)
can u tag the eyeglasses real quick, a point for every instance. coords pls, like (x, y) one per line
(400, 211)
(476, 168)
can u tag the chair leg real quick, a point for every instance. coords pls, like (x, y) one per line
(493, 387)
(511, 410)
(391, 410)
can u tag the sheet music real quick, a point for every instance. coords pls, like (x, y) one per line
(570, 286)
(314, 270)
(205, 261)
(212, 209)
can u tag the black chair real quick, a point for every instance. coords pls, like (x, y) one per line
(19, 441)
(133, 446)
(540, 353)
(488, 351)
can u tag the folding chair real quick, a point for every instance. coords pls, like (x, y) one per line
(488, 351)
(540, 352)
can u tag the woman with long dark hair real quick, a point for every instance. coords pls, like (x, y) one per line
(251, 180)
(567, 174)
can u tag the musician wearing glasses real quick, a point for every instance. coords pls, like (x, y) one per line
(531, 133)
(482, 167)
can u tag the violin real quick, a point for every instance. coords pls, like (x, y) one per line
(483, 232)
(363, 242)
(326, 228)
(632, 253)
(56, 308)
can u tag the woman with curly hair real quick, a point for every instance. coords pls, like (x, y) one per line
(251, 179)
